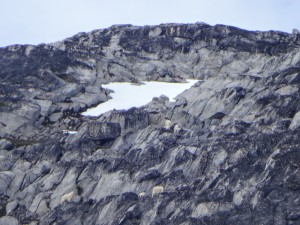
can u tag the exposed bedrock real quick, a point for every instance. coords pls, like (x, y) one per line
(225, 152)
(103, 131)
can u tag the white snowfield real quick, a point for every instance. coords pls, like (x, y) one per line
(127, 95)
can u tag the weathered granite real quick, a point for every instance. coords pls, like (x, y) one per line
(235, 160)
(103, 131)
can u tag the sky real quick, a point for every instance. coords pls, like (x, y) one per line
(46, 21)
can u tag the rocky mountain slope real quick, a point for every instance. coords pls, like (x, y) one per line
(226, 152)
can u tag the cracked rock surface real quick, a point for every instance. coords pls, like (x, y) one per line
(227, 151)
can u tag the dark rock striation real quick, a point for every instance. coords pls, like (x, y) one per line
(225, 152)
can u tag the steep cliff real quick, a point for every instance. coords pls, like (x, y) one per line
(229, 154)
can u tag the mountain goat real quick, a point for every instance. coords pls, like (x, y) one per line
(168, 124)
(177, 129)
(142, 194)
(157, 190)
(67, 197)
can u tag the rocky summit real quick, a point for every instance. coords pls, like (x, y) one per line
(227, 151)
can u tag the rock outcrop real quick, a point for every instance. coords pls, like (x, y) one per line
(234, 160)
(103, 131)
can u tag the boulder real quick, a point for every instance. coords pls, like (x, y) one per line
(6, 144)
(11, 122)
(45, 106)
(295, 122)
(9, 220)
(55, 117)
(149, 175)
(90, 99)
(103, 131)
(67, 91)
(130, 120)
(5, 180)
(29, 111)
(5, 162)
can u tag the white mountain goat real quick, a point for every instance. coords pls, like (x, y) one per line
(67, 197)
(168, 124)
(157, 190)
(142, 194)
(177, 129)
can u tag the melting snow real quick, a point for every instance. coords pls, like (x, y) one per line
(69, 132)
(127, 95)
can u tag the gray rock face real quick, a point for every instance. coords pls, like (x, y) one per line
(228, 155)
(5, 178)
(103, 131)
(6, 144)
(55, 117)
(295, 122)
(8, 220)
(130, 120)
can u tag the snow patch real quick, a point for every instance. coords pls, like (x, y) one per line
(69, 132)
(126, 95)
